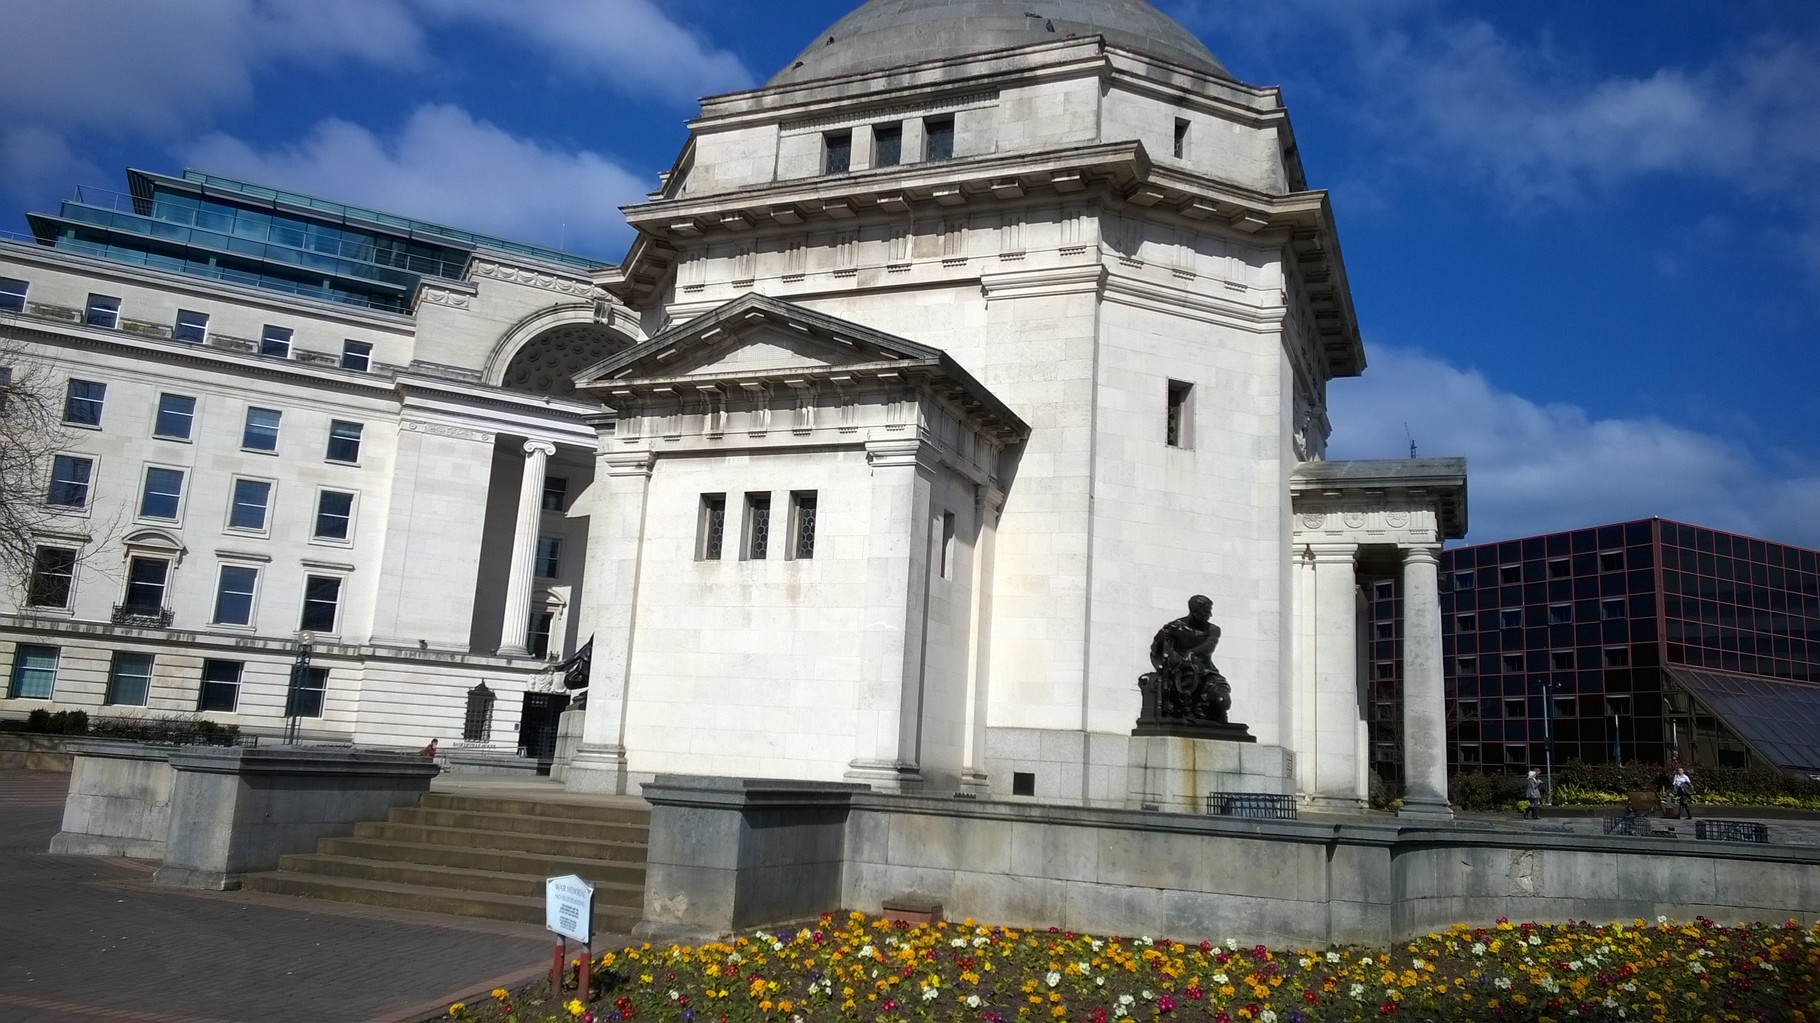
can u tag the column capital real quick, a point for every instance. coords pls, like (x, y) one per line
(906, 452)
(539, 447)
(628, 463)
(1334, 553)
(1421, 555)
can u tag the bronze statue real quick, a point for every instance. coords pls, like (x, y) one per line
(1185, 686)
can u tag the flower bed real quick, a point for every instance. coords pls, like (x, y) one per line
(859, 968)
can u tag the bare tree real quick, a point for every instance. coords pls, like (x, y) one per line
(31, 433)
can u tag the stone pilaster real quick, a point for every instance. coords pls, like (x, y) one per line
(623, 480)
(890, 689)
(1332, 777)
(1424, 694)
(515, 625)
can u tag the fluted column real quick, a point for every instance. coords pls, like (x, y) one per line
(516, 624)
(1424, 691)
(1333, 777)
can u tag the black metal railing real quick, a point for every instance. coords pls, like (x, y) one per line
(1251, 804)
(1638, 825)
(1732, 831)
(142, 617)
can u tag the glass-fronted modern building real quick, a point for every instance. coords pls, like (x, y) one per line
(1644, 641)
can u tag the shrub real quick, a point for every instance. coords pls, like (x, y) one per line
(63, 722)
(1485, 792)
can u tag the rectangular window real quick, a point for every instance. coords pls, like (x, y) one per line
(12, 295)
(938, 138)
(555, 493)
(1509, 574)
(758, 526)
(162, 497)
(837, 152)
(1468, 622)
(344, 441)
(1611, 610)
(1181, 138)
(1617, 657)
(1462, 580)
(1560, 614)
(53, 577)
(548, 562)
(275, 342)
(1176, 426)
(1562, 660)
(82, 403)
(305, 698)
(1560, 568)
(334, 515)
(220, 686)
(176, 417)
(1466, 665)
(70, 475)
(711, 530)
(34, 672)
(1510, 618)
(261, 430)
(1516, 753)
(102, 311)
(321, 601)
(1513, 663)
(537, 637)
(129, 679)
(947, 545)
(234, 595)
(1611, 561)
(145, 580)
(357, 355)
(802, 524)
(251, 499)
(887, 145)
(191, 326)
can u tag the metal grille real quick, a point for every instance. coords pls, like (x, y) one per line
(805, 526)
(758, 517)
(715, 528)
(1732, 831)
(477, 722)
(1251, 804)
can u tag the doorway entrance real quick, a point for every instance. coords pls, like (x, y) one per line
(537, 725)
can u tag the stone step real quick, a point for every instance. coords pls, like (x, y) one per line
(623, 895)
(631, 811)
(548, 845)
(608, 919)
(628, 871)
(564, 827)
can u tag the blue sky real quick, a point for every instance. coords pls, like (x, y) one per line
(1583, 239)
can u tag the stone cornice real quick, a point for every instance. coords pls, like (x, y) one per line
(1346, 495)
(1135, 291)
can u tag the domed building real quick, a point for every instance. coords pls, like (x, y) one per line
(976, 341)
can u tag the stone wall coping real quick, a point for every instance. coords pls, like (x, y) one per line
(349, 763)
(119, 749)
(733, 793)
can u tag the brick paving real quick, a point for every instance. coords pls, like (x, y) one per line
(90, 939)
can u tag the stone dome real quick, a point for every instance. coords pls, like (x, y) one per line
(889, 33)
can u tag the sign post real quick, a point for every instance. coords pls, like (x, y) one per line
(569, 911)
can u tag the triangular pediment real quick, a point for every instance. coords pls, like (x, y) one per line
(756, 335)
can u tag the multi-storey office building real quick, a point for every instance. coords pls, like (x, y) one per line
(1643, 641)
(288, 420)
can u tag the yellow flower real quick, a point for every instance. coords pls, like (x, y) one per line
(501, 993)
(575, 1007)
(457, 1009)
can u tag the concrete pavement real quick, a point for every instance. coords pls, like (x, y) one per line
(89, 939)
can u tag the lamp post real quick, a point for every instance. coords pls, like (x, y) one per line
(1548, 734)
(300, 671)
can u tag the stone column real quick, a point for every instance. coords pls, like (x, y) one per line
(988, 504)
(622, 481)
(516, 624)
(1334, 772)
(1424, 693)
(890, 690)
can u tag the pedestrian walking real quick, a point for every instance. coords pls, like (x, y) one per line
(1534, 792)
(1682, 788)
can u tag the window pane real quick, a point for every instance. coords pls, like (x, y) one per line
(344, 441)
(888, 144)
(261, 433)
(837, 152)
(334, 510)
(305, 697)
(129, 679)
(102, 311)
(356, 355)
(34, 672)
(82, 404)
(163, 493)
(321, 597)
(275, 341)
(234, 595)
(69, 481)
(53, 577)
(220, 686)
(251, 498)
(549, 556)
(803, 543)
(145, 583)
(758, 525)
(176, 416)
(555, 493)
(12, 295)
(191, 326)
(712, 528)
(938, 138)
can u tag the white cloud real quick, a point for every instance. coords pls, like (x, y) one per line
(37, 161)
(1539, 468)
(630, 43)
(447, 167)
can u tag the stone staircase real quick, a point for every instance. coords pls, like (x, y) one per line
(483, 856)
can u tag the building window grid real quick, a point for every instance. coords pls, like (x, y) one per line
(129, 679)
(53, 579)
(251, 502)
(70, 476)
(12, 295)
(555, 493)
(83, 402)
(357, 355)
(321, 603)
(146, 580)
(234, 591)
(220, 689)
(260, 432)
(837, 152)
(190, 326)
(344, 441)
(887, 145)
(34, 675)
(334, 515)
(102, 311)
(162, 495)
(310, 693)
(176, 419)
(938, 139)
(548, 562)
(275, 342)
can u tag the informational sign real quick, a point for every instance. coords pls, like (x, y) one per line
(569, 907)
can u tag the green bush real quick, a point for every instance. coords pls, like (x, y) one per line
(1578, 784)
(1485, 792)
(63, 722)
(163, 728)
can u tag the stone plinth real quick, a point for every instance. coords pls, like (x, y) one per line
(234, 811)
(1176, 772)
(119, 801)
(569, 729)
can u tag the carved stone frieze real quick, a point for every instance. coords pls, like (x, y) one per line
(443, 296)
(1395, 521)
(537, 279)
(445, 430)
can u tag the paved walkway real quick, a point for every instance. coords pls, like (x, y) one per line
(90, 940)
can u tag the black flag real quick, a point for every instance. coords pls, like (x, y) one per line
(575, 669)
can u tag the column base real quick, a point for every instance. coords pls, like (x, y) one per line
(974, 782)
(513, 650)
(885, 776)
(1425, 810)
(1335, 804)
(598, 769)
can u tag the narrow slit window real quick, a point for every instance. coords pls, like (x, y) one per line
(887, 145)
(711, 531)
(802, 524)
(947, 545)
(837, 152)
(758, 526)
(1181, 138)
(1178, 422)
(938, 138)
